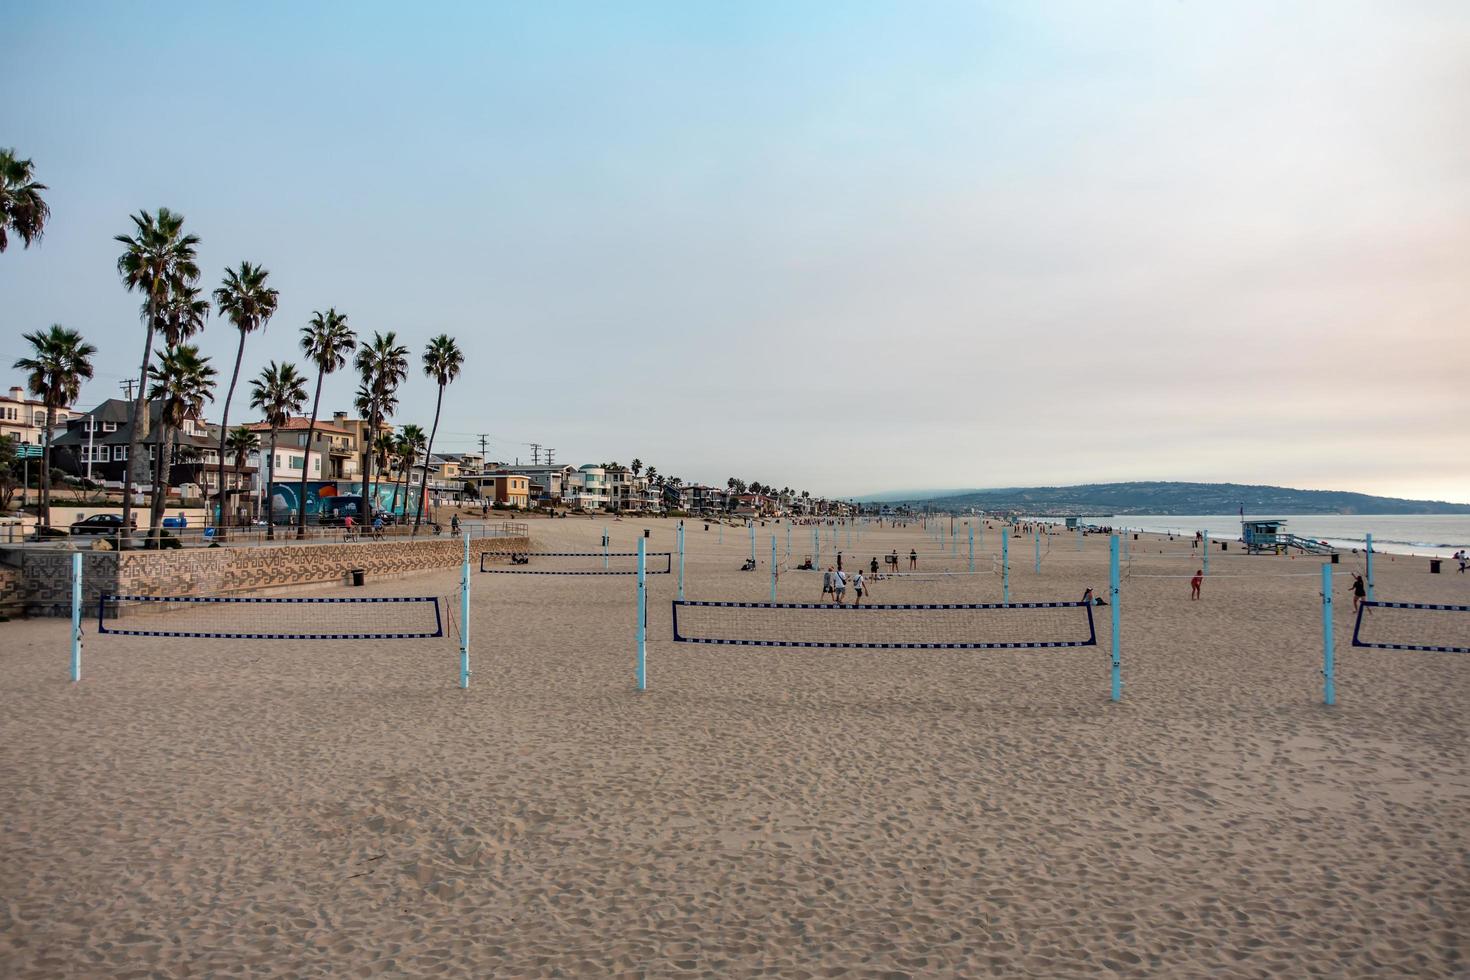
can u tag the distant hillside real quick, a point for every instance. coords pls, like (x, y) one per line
(1181, 498)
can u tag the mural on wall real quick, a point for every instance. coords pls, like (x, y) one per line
(387, 498)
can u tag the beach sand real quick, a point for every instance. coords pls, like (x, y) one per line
(203, 807)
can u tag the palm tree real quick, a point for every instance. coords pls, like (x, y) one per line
(182, 382)
(636, 466)
(385, 455)
(442, 362)
(22, 209)
(180, 317)
(277, 394)
(158, 260)
(245, 298)
(411, 445)
(383, 364)
(61, 361)
(241, 442)
(326, 341)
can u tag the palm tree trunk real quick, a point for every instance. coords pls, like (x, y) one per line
(393, 507)
(224, 435)
(140, 425)
(367, 468)
(163, 473)
(45, 497)
(270, 500)
(306, 461)
(428, 453)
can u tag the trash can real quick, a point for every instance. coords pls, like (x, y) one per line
(1434, 566)
(1224, 545)
(1335, 557)
(1135, 537)
(645, 532)
(357, 575)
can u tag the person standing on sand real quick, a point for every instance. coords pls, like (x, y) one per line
(859, 586)
(826, 583)
(873, 566)
(1360, 591)
(913, 559)
(839, 582)
(1196, 582)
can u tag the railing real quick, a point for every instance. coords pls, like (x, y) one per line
(199, 537)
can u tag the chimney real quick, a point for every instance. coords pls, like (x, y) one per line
(18, 394)
(339, 419)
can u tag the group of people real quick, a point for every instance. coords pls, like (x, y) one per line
(835, 582)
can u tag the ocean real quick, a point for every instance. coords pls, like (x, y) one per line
(1433, 535)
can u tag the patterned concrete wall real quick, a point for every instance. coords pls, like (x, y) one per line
(46, 575)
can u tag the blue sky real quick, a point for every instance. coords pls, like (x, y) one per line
(845, 247)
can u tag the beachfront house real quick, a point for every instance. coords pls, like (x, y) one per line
(24, 419)
(95, 447)
(586, 487)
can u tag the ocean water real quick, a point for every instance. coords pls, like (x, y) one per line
(1434, 535)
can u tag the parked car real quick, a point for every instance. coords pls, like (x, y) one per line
(100, 524)
(176, 522)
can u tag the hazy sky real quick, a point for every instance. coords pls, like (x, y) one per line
(846, 247)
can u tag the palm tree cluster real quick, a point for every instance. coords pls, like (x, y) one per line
(23, 211)
(60, 360)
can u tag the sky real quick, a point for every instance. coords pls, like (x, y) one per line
(843, 247)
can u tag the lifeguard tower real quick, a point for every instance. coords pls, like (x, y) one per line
(1270, 537)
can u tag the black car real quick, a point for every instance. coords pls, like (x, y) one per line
(99, 524)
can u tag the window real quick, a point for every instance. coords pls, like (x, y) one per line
(109, 426)
(316, 466)
(296, 463)
(278, 461)
(120, 454)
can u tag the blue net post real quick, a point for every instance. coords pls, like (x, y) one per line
(1329, 683)
(1079, 535)
(1368, 553)
(773, 568)
(1206, 539)
(1117, 618)
(972, 549)
(76, 617)
(752, 542)
(1036, 533)
(604, 547)
(464, 617)
(722, 531)
(816, 547)
(1005, 567)
(642, 615)
(681, 560)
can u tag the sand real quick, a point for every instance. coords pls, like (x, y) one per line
(201, 808)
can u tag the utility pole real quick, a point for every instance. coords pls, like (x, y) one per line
(550, 454)
(535, 453)
(127, 387)
(483, 437)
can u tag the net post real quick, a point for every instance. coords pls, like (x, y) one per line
(642, 614)
(1117, 693)
(1206, 535)
(1329, 682)
(1079, 535)
(752, 542)
(1005, 567)
(681, 560)
(464, 617)
(1036, 533)
(972, 549)
(1368, 551)
(76, 617)
(773, 568)
(604, 548)
(788, 541)
(816, 547)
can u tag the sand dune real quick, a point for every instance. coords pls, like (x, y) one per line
(198, 808)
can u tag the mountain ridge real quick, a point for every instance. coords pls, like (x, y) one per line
(1170, 497)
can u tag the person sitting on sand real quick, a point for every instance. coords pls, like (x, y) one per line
(1089, 600)
(1360, 591)
(749, 565)
(1195, 583)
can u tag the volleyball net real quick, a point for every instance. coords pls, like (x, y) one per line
(1429, 626)
(575, 562)
(272, 617)
(891, 626)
